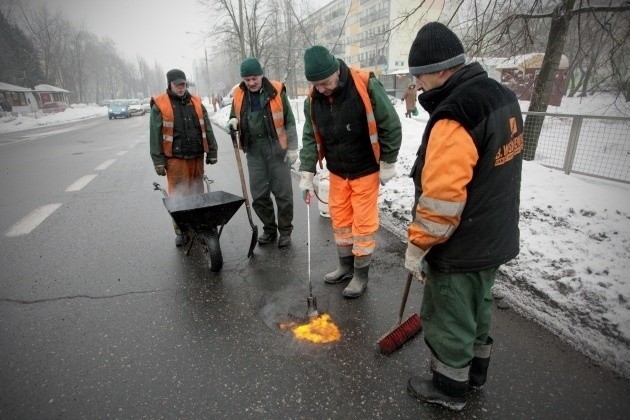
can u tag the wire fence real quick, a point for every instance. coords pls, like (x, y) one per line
(584, 144)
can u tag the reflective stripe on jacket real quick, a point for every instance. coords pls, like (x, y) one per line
(277, 111)
(163, 102)
(361, 79)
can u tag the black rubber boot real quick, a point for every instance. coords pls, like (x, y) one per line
(448, 387)
(360, 279)
(343, 272)
(479, 365)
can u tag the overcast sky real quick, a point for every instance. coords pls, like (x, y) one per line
(154, 29)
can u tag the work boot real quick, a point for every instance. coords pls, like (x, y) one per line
(284, 241)
(267, 238)
(343, 272)
(360, 279)
(448, 387)
(479, 365)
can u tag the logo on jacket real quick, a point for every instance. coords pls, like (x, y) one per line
(511, 148)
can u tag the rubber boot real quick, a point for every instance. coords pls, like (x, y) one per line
(360, 279)
(479, 365)
(448, 387)
(345, 269)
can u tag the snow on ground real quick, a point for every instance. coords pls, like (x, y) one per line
(571, 276)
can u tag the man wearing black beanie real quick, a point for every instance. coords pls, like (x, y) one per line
(179, 135)
(467, 176)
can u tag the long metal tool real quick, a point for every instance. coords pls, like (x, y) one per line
(252, 244)
(311, 300)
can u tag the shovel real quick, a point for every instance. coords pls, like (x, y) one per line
(237, 153)
(311, 300)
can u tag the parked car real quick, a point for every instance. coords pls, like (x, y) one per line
(54, 107)
(118, 109)
(135, 107)
(146, 104)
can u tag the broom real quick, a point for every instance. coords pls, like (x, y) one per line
(402, 331)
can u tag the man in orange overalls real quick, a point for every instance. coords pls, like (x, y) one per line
(180, 133)
(350, 122)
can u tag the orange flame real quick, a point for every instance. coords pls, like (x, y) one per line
(319, 329)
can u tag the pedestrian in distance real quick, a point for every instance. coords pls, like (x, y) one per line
(179, 135)
(409, 98)
(214, 102)
(350, 122)
(262, 114)
(467, 178)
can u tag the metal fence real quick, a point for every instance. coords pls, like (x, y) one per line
(585, 144)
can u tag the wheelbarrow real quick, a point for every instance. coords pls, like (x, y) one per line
(201, 218)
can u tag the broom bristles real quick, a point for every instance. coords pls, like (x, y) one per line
(399, 335)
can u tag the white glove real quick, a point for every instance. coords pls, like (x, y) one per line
(414, 261)
(232, 124)
(306, 185)
(291, 156)
(387, 172)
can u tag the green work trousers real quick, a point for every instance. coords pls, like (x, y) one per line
(456, 313)
(269, 174)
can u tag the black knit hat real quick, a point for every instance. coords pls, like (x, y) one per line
(251, 67)
(435, 48)
(319, 63)
(176, 76)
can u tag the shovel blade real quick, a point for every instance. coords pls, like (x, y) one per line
(311, 310)
(252, 244)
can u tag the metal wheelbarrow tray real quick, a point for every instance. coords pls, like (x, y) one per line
(201, 217)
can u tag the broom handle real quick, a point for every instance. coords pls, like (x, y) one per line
(405, 296)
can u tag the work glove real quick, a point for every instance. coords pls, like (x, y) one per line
(160, 170)
(306, 185)
(210, 160)
(291, 157)
(232, 124)
(414, 262)
(387, 172)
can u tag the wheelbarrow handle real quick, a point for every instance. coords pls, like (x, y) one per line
(157, 187)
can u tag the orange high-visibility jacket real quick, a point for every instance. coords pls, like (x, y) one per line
(277, 111)
(163, 102)
(361, 80)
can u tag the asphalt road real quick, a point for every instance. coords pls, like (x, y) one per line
(102, 316)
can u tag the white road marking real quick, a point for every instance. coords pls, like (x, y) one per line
(80, 183)
(30, 222)
(122, 152)
(104, 165)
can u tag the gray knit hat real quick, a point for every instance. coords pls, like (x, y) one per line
(435, 48)
(319, 63)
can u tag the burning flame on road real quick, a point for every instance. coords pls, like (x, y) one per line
(320, 329)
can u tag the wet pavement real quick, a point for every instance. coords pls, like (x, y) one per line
(102, 316)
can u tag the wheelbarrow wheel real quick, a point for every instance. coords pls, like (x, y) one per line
(213, 254)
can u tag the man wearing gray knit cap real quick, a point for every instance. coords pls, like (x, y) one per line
(467, 176)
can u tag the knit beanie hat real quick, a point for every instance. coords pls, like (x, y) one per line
(435, 48)
(176, 76)
(251, 67)
(319, 63)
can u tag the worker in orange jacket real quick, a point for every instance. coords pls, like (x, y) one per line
(350, 122)
(179, 135)
(467, 176)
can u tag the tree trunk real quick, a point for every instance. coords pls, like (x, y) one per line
(546, 78)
